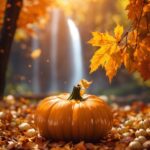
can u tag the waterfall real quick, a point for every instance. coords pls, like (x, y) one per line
(53, 47)
(76, 54)
(62, 45)
(35, 66)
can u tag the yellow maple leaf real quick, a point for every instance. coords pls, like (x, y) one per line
(112, 66)
(118, 31)
(108, 55)
(101, 39)
(98, 59)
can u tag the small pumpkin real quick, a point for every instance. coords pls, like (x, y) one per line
(64, 117)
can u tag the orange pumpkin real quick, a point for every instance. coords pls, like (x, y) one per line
(73, 117)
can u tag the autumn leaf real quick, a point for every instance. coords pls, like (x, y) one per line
(132, 37)
(98, 59)
(112, 66)
(146, 8)
(134, 9)
(84, 85)
(20, 35)
(108, 56)
(101, 39)
(80, 146)
(128, 61)
(118, 31)
(144, 68)
(36, 53)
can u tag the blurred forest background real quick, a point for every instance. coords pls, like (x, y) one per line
(30, 72)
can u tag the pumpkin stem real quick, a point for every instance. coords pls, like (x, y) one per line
(75, 93)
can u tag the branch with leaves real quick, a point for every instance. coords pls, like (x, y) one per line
(131, 48)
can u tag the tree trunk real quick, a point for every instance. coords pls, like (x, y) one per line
(12, 11)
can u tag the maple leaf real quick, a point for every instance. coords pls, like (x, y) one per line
(132, 36)
(134, 9)
(101, 39)
(108, 55)
(84, 85)
(112, 66)
(128, 60)
(118, 31)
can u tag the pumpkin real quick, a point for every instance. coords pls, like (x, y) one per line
(64, 117)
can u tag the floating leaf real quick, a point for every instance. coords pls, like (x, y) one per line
(36, 53)
(84, 85)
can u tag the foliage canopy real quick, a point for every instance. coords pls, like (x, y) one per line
(32, 13)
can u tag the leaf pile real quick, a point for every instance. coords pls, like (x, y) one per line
(15, 112)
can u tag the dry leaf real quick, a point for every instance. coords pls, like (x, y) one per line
(84, 85)
(80, 146)
(13, 137)
(36, 53)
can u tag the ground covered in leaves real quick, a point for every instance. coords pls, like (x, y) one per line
(131, 128)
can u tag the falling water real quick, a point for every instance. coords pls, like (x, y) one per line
(76, 54)
(71, 49)
(53, 47)
(35, 65)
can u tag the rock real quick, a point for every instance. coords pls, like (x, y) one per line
(10, 99)
(2, 115)
(140, 139)
(140, 132)
(148, 131)
(146, 145)
(24, 126)
(135, 145)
